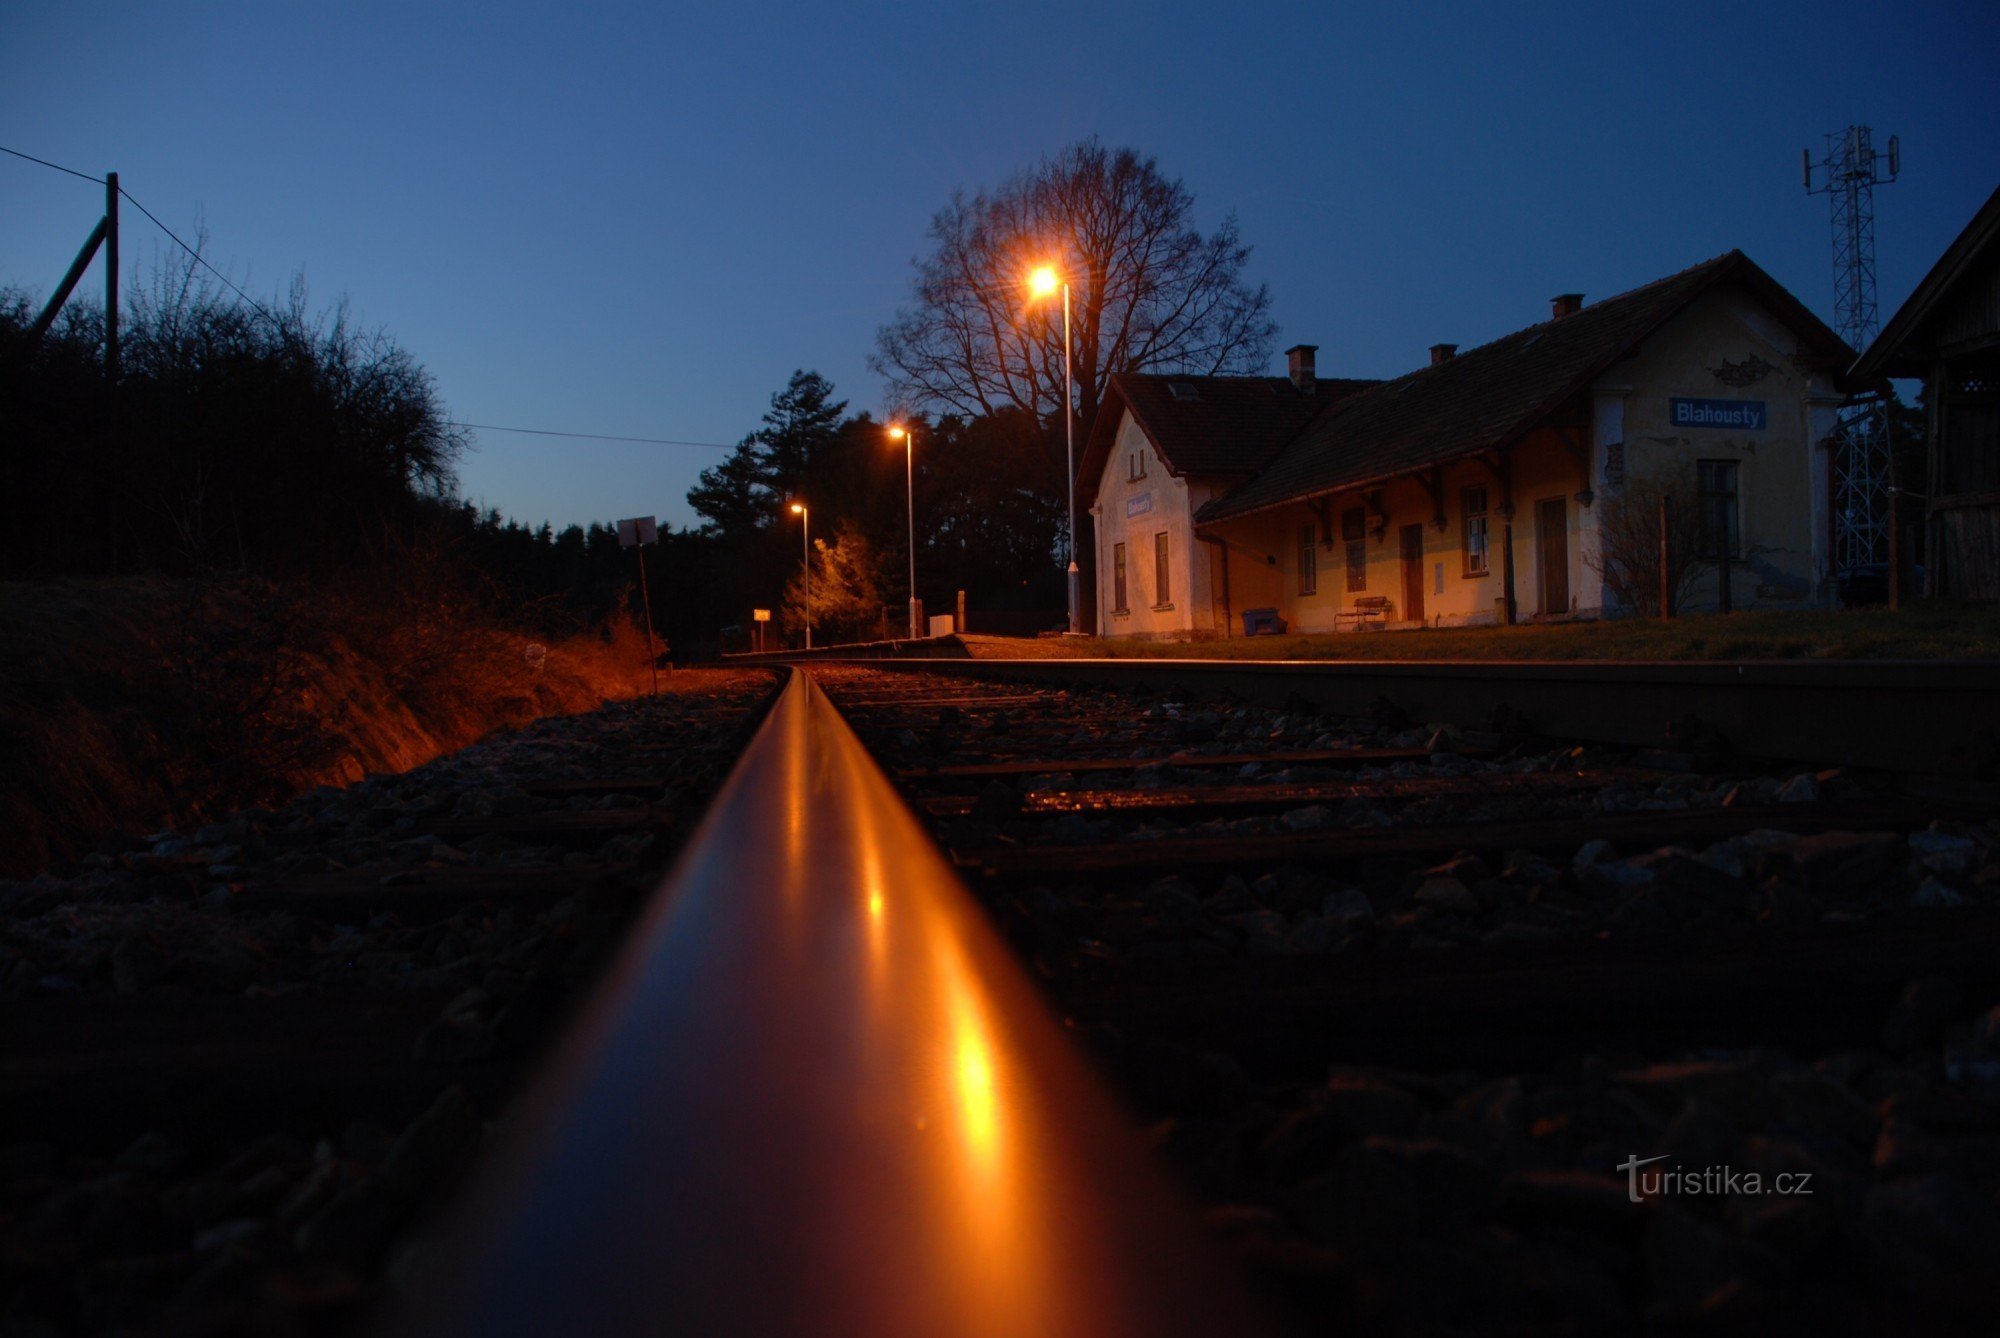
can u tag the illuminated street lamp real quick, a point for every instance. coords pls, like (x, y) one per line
(910, 478)
(1041, 283)
(805, 534)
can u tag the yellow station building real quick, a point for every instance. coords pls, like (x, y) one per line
(1441, 497)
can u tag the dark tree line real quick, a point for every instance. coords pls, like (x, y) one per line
(237, 437)
(988, 511)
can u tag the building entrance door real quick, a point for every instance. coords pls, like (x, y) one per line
(1552, 550)
(1412, 537)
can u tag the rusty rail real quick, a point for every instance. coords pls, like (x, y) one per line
(816, 1095)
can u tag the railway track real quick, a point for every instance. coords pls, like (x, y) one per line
(1389, 971)
(1317, 950)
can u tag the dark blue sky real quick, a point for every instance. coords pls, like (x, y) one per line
(640, 219)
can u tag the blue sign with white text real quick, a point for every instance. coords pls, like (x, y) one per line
(1140, 505)
(1745, 415)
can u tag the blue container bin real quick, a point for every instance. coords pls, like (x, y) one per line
(1262, 622)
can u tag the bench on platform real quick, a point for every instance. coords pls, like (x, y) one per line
(1368, 611)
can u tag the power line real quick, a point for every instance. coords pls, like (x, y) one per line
(196, 254)
(199, 259)
(597, 436)
(46, 163)
(482, 427)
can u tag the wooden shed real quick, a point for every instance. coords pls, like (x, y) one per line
(1948, 334)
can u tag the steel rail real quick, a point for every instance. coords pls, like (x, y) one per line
(1918, 716)
(816, 1095)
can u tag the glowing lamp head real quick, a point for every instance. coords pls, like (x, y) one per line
(896, 433)
(1044, 281)
(798, 508)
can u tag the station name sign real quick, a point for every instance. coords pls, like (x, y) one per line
(1140, 505)
(1747, 415)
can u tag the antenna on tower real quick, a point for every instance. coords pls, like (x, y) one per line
(1849, 174)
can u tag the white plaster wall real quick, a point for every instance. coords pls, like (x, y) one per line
(1132, 511)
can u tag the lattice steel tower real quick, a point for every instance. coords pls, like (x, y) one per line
(1849, 174)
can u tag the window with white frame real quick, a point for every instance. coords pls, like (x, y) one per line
(1354, 534)
(1473, 502)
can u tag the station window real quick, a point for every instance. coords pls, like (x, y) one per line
(1138, 466)
(1163, 590)
(1119, 604)
(1715, 489)
(1474, 502)
(1308, 559)
(1354, 534)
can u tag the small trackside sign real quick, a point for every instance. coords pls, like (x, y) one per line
(1743, 415)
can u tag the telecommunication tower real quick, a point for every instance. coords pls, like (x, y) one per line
(1848, 176)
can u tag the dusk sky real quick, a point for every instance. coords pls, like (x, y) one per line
(638, 220)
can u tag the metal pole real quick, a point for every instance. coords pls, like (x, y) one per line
(1069, 456)
(805, 533)
(646, 600)
(910, 479)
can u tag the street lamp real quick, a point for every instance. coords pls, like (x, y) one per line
(1041, 283)
(805, 534)
(910, 479)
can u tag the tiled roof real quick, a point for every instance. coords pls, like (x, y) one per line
(1213, 425)
(1491, 396)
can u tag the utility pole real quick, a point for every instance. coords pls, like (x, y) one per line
(104, 234)
(1850, 171)
(111, 277)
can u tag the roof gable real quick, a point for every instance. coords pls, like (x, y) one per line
(1491, 396)
(1208, 425)
(1892, 353)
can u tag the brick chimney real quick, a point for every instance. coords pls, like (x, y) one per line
(1299, 365)
(1565, 304)
(1443, 353)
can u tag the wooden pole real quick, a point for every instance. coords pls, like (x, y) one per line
(111, 358)
(1723, 601)
(1507, 562)
(1895, 550)
(69, 281)
(111, 277)
(1666, 555)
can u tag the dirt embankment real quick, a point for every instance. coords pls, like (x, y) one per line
(129, 705)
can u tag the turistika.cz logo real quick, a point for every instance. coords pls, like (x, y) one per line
(1707, 1181)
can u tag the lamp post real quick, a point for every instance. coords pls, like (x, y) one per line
(909, 437)
(805, 536)
(1043, 282)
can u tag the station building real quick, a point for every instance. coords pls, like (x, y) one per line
(1466, 491)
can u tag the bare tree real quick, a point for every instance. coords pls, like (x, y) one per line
(1148, 291)
(1628, 552)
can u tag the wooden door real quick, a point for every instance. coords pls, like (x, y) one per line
(1552, 550)
(1412, 537)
